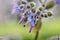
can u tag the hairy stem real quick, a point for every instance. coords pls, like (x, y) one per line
(39, 24)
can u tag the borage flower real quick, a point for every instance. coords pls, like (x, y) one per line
(27, 10)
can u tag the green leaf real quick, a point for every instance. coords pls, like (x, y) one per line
(49, 5)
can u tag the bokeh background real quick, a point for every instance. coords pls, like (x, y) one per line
(9, 24)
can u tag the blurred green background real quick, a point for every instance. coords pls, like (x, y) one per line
(9, 24)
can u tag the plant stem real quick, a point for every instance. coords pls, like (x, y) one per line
(39, 24)
(36, 36)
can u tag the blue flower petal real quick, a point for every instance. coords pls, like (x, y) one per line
(57, 1)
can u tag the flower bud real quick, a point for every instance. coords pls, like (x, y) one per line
(23, 2)
(40, 9)
(33, 10)
(42, 15)
(49, 14)
(28, 7)
(43, 5)
(29, 0)
(45, 16)
(38, 12)
(49, 5)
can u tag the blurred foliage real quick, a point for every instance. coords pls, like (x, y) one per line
(48, 29)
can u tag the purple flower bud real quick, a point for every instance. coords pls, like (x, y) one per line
(21, 20)
(31, 27)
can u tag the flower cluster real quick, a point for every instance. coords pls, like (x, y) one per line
(27, 10)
